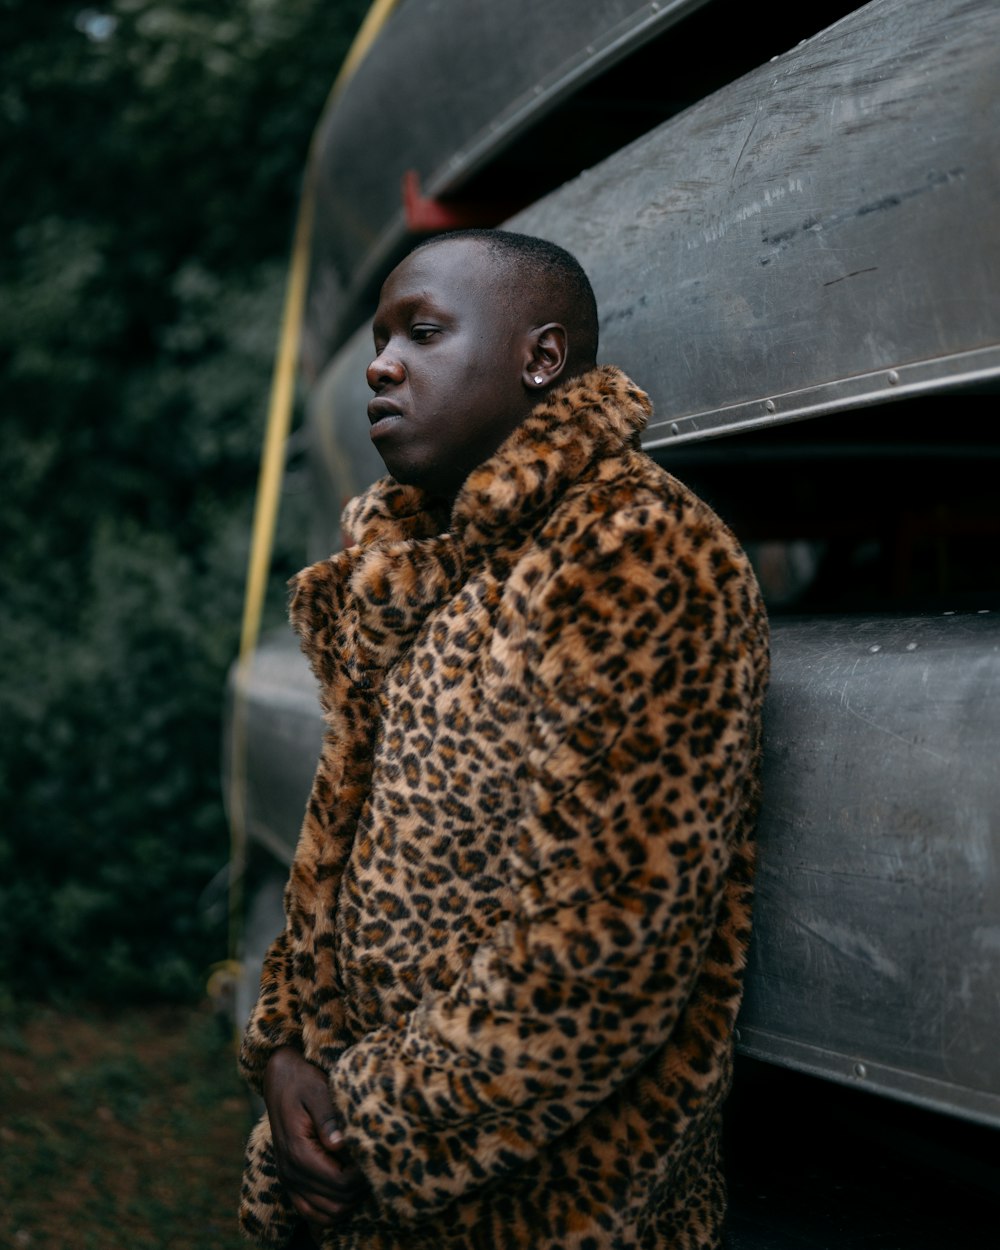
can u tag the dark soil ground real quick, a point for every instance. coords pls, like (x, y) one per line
(124, 1131)
(119, 1130)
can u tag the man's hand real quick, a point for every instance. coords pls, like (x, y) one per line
(309, 1148)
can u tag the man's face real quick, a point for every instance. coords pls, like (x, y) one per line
(447, 373)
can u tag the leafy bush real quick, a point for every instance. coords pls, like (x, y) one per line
(155, 153)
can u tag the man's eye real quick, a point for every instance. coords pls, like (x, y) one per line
(421, 334)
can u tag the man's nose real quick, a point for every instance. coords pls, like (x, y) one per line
(384, 368)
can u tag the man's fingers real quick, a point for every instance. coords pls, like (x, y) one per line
(318, 1212)
(330, 1134)
(310, 1169)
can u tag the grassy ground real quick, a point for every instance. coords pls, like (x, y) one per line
(121, 1130)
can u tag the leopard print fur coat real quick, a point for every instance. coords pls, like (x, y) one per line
(520, 903)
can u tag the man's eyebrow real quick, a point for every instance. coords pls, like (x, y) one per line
(407, 306)
(423, 300)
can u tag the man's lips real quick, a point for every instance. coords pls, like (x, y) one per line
(382, 413)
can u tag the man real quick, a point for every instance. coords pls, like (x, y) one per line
(501, 1011)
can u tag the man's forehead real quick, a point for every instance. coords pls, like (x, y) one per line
(453, 266)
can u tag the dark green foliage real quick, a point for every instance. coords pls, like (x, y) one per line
(147, 194)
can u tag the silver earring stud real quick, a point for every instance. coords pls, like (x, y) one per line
(538, 379)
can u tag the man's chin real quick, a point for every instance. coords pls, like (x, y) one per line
(407, 474)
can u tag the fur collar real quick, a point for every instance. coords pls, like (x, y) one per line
(357, 611)
(583, 421)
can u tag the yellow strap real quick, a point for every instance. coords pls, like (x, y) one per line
(283, 381)
(272, 466)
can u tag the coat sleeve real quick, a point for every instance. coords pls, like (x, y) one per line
(643, 655)
(348, 670)
(351, 640)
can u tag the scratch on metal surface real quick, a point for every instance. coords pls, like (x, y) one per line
(890, 733)
(845, 703)
(746, 141)
(844, 277)
(777, 242)
(850, 945)
(829, 874)
(771, 196)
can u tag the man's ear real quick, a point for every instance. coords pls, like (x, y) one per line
(546, 356)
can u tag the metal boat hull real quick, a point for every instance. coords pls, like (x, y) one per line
(820, 235)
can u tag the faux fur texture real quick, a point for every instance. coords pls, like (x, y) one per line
(519, 908)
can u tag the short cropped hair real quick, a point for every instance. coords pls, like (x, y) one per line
(531, 264)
